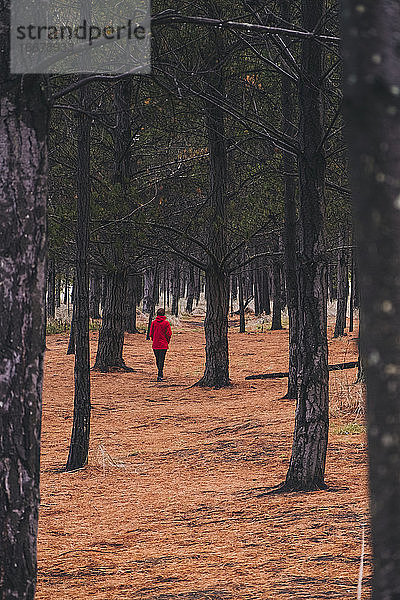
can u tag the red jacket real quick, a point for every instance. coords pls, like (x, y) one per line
(160, 333)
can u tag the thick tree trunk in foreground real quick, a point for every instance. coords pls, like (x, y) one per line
(307, 463)
(23, 177)
(111, 335)
(342, 288)
(79, 447)
(372, 104)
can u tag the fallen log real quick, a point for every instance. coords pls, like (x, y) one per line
(339, 367)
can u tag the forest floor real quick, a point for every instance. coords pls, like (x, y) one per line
(171, 505)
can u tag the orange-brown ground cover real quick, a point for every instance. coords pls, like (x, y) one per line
(169, 505)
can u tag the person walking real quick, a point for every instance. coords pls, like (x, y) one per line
(160, 333)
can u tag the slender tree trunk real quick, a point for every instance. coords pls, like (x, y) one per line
(66, 288)
(343, 288)
(58, 291)
(51, 289)
(190, 290)
(276, 307)
(176, 286)
(79, 447)
(372, 108)
(352, 290)
(307, 464)
(94, 295)
(23, 182)
(290, 230)
(242, 321)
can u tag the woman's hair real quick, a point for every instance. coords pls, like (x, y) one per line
(160, 312)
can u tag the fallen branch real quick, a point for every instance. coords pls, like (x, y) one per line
(339, 367)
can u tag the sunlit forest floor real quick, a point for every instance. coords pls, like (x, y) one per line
(171, 505)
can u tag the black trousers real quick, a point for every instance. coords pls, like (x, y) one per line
(160, 358)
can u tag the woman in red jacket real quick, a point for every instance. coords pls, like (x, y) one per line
(160, 333)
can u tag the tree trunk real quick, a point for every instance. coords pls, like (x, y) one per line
(130, 306)
(242, 321)
(176, 286)
(307, 464)
(372, 108)
(66, 288)
(51, 289)
(58, 291)
(111, 335)
(276, 307)
(342, 288)
(190, 290)
(149, 275)
(94, 295)
(216, 372)
(352, 290)
(23, 181)
(71, 341)
(290, 230)
(79, 447)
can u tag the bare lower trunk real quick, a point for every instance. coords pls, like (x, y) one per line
(190, 290)
(342, 288)
(276, 308)
(216, 372)
(23, 178)
(79, 447)
(111, 335)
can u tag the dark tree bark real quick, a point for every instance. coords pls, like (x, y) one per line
(58, 291)
(51, 289)
(332, 285)
(190, 290)
(79, 447)
(71, 342)
(242, 321)
(342, 288)
(352, 290)
(94, 295)
(66, 288)
(216, 372)
(130, 305)
(257, 290)
(176, 286)
(276, 307)
(290, 230)
(307, 463)
(111, 335)
(372, 109)
(23, 181)
(148, 289)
